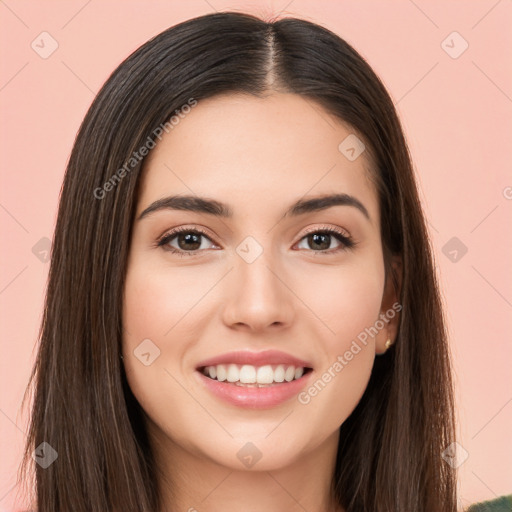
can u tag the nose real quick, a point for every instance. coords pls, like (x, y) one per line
(258, 297)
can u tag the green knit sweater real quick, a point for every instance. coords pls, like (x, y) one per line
(503, 504)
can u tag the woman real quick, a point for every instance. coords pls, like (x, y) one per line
(295, 356)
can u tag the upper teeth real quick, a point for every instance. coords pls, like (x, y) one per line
(248, 374)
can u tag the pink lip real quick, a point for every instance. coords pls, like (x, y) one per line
(255, 359)
(255, 398)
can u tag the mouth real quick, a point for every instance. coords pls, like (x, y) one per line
(249, 376)
(254, 380)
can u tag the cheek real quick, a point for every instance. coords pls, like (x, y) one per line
(158, 331)
(156, 303)
(348, 302)
(347, 299)
(155, 308)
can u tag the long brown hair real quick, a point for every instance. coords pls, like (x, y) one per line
(389, 456)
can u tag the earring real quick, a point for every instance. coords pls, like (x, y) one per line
(388, 343)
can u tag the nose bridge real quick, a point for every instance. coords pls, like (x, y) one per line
(257, 295)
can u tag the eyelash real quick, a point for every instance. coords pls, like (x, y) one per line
(347, 242)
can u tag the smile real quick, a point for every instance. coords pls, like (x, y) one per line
(254, 376)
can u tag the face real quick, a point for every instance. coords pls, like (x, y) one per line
(252, 294)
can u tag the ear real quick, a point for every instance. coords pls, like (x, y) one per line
(390, 307)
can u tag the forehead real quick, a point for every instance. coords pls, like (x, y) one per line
(243, 150)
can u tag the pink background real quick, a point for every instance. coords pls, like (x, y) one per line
(457, 113)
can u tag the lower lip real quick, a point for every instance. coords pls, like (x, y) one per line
(255, 398)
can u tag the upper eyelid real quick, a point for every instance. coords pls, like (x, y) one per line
(337, 229)
(184, 229)
(204, 231)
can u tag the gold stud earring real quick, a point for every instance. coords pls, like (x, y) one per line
(388, 343)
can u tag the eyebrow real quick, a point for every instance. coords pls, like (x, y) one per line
(213, 207)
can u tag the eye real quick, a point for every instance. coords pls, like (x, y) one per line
(320, 240)
(188, 241)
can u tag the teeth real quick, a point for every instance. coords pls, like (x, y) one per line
(265, 375)
(233, 374)
(248, 374)
(279, 373)
(221, 372)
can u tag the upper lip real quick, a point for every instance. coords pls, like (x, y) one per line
(255, 358)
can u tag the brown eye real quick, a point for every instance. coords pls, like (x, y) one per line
(321, 240)
(191, 241)
(184, 241)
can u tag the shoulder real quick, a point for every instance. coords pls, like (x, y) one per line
(502, 504)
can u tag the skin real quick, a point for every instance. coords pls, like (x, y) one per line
(258, 156)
